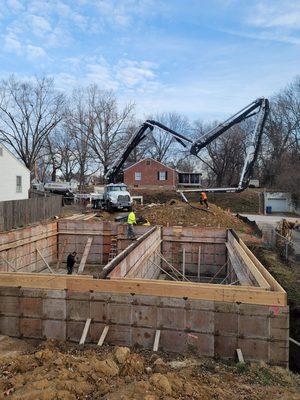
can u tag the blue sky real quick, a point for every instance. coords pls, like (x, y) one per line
(206, 59)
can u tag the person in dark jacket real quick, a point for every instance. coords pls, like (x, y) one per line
(70, 262)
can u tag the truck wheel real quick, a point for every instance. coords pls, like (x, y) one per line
(109, 207)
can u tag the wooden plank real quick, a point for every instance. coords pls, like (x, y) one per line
(74, 216)
(142, 260)
(156, 340)
(103, 335)
(28, 240)
(270, 279)
(85, 255)
(262, 282)
(9, 264)
(90, 216)
(199, 264)
(85, 233)
(45, 262)
(238, 267)
(201, 240)
(85, 330)
(59, 259)
(214, 292)
(121, 256)
(183, 263)
(240, 356)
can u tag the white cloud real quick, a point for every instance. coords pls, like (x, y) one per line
(101, 74)
(15, 5)
(133, 73)
(39, 24)
(267, 35)
(276, 13)
(12, 44)
(35, 52)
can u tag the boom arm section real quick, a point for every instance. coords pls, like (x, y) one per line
(259, 107)
(139, 135)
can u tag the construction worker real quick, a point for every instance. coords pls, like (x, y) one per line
(131, 220)
(71, 259)
(203, 199)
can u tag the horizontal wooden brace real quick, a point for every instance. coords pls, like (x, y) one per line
(28, 240)
(189, 290)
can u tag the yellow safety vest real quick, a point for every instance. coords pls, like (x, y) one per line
(131, 218)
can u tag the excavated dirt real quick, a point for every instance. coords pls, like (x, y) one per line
(175, 212)
(59, 372)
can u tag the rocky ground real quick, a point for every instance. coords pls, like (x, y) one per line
(64, 372)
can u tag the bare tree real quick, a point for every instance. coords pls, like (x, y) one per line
(107, 125)
(29, 111)
(282, 136)
(224, 157)
(161, 145)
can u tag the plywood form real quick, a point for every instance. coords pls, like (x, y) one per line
(19, 246)
(243, 294)
(75, 234)
(123, 241)
(212, 242)
(245, 263)
(211, 328)
(139, 262)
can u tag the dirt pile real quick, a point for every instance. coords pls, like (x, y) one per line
(246, 201)
(57, 371)
(176, 212)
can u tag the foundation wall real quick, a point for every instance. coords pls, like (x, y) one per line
(19, 248)
(73, 236)
(208, 243)
(209, 328)
(142, 261)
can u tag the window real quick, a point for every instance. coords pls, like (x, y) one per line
(162, 175)
(148, 162)
(137, 176)
(1, 151)
(19, 184)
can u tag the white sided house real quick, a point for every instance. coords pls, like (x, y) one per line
(14, 177)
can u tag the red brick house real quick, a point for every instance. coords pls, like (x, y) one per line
(150, 173)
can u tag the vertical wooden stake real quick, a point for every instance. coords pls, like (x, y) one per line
(156, 340)
(183, 263)
(45, 262)
(85, 330)
(199, 263)
(103, 335)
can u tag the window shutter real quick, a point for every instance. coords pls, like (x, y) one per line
(158, 175)
(166, 175)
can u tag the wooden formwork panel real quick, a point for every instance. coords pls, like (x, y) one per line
(69, 243)
(123, 241)
(212, 256)
(210, 328)
(141, 262)
(20, 247)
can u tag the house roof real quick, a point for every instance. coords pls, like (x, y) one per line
(148, 158)
(12, 154)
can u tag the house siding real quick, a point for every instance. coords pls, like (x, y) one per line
(149, 170)
(10, 168)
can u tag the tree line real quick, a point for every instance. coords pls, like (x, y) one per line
(78, 135)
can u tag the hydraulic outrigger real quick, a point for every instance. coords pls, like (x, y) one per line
(259, 107)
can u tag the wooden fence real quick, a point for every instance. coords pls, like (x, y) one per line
(18, 213)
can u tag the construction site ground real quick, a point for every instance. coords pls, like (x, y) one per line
(60, 371)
